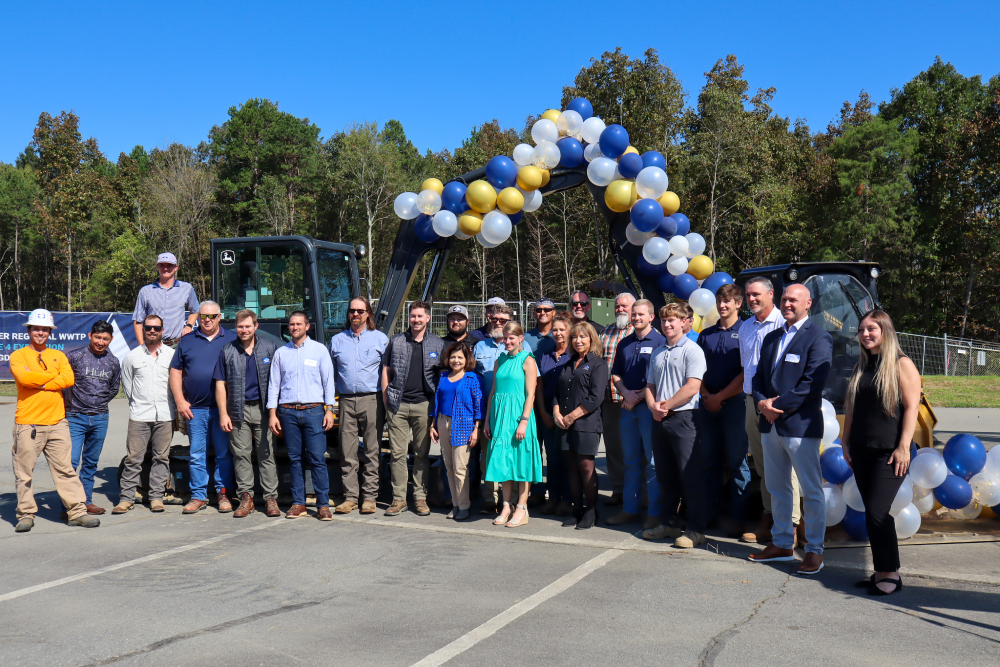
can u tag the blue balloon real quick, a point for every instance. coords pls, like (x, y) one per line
(651, 270)
(964, 455)
(954, 492)
(854, 524)
(654, 159)
(838, 441)
(501, 172)
(453, 198)
(614, 141)
(515, 217)
(684, 285)
(629, 166)
(582, 106)
(646, 215)
(834, 465)
(666, 281)
(425, 228)
(717, 280)
(683, 224)
(570, 152)
(667, 228)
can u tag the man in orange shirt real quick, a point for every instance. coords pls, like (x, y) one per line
(40, 425)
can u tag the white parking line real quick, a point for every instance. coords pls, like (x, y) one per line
(490, 627)
(129, 563)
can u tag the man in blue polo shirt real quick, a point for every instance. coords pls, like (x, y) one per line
(628, 373)
(172, 300)
(723, 437)
(192, 385)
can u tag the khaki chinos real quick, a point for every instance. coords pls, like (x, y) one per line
(359, 417)
(250, 434)
(56, 444)
(409, 417)
(456, 463)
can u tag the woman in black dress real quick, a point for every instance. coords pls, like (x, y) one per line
(880, 417)
(577, 411)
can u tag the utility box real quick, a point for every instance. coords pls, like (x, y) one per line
(602, 311)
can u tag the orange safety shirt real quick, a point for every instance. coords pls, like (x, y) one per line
(39, 389)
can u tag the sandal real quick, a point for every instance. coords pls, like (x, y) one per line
(523, 522)
(865, 583)
(897, 586)
(504, 515)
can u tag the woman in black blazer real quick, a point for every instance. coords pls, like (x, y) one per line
(577, 411)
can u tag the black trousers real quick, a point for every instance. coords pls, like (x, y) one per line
(679, 469)
(878, 485)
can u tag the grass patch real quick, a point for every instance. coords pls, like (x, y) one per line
(980, 391)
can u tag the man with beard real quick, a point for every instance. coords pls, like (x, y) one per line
(483, 332)
(458, 326)
(611, 408)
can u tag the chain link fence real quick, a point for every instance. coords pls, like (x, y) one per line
(951, 356)
(524, 313)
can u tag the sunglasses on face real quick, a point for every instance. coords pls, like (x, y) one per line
(580, 303)
(206, 316)
(151, 327)
(499, 320)
(544, 310)
(357, 311)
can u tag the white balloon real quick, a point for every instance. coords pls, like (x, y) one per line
(986, 488)
(591, 152)
(496, 227)
(569, 123)
(532, 201)
(591, 130)
(919, 492)
(928, 471)
(677, 265)
(836, 506)
(679, 246)
(852, 495)
(928, 450)
(696, 245)
(828, 410)
(429, 202)
(967, 513)
(635, 237)
(618, 174)
(925, 504)
(601, 171)
(701, 301)
(522, 154)
(904, 496)
(907, 522)
(462, 237)
(831, 429)
(546, 155)
(483, 242)
(651, 183)
(445, 223)
(406, 206)
(655, 250)
(712, 318)
(544, 130)
(993, 457)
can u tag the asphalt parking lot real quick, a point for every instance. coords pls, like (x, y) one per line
(169, 589)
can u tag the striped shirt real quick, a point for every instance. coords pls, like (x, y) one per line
(610, 338)
(172, 305)
(752, 334)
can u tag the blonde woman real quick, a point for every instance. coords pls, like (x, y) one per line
(514, 454)
(880, 417)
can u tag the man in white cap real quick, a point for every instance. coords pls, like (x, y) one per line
(173, 300)
(40, 425)
(484, 332)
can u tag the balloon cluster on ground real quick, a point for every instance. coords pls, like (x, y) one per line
(964, 478)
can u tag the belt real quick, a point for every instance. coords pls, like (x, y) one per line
(170, 341)
(360, 394)
(257, 402)
(300, 406)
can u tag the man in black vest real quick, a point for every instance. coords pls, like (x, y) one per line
(241, 377)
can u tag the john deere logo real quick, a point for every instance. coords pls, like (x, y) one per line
(228, 258)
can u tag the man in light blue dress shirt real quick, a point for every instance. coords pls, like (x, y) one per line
(300, 400)
(357, 360)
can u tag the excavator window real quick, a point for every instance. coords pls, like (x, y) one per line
(269, 280)
(334, 271)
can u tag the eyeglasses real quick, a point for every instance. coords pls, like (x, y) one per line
(42, 362)
(580, 303)
(357, 311)
(151, 327)
(544, 310)
(500, 320)
(208, 316)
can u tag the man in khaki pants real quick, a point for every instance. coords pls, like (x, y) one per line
(40, 425)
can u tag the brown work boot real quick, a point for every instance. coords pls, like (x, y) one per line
(623, 518)
(224, 504)
(651, 522)
(396, 508)
(772, 554)
(156, 505)
(296, 512)
(346, 507)
(811, 564)
(324, 513)
(122, 507)
(271, 507)
(368, 507)
(420, 508)
(246, 506)
(194, 506)
(94, 509)
(763, 533)
(614, 500)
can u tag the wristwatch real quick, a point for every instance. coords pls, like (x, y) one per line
(523, 419)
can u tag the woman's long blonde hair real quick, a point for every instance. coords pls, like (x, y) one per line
(887, 375)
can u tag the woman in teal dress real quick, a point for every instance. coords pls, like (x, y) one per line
(514, 454)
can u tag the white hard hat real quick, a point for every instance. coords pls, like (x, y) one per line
(40, 317)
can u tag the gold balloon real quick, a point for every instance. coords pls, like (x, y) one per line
(631, 149)
(551, 114)
(432, 184)
(670, 202)
(697, 323)
(481, 197)
(545, 177)
(620, 196)
(987, 513)
(700, 267)
(470, 222)
(529, 178)
(510, 201)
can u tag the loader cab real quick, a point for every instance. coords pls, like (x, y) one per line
(273, 276)
(842, 292)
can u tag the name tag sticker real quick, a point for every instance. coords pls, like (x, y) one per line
(645, 350)
(734, 335)
(792, 358)
(309, 362)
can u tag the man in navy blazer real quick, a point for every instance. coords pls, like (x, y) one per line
(795, 360)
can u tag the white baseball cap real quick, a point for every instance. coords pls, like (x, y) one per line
(166, 258)
(40, 317)
(496, 301)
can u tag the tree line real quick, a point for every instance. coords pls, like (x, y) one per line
(911, 183)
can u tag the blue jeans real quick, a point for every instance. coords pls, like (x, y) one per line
(304, 435)
(636, 429)
(556, 475)
(782, 456)
(724, 438)
(87, 432)
(204, 427)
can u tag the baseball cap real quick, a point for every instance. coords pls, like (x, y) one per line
(461, 310)
(545, 301)
(166, 258)
(496, 301)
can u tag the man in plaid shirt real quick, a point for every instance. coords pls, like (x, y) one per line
(611, 408)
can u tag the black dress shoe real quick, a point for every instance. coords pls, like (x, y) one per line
(588, 520)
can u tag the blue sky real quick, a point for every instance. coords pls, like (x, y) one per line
(143, 73)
